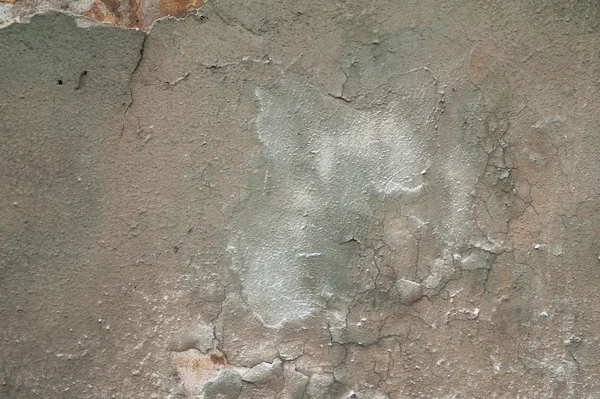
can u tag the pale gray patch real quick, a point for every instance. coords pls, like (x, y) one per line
(263, 372)
(476, 258)
(322, 386)
(226, 385)
(295, 382)
(410, 291)
(326, 163)
(328, 167)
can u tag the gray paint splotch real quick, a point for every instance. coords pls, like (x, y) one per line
(329, 168)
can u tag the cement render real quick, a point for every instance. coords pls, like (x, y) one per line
(302, 200)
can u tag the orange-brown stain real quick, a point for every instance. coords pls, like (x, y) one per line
(218, 359)
(179, 8)
(478, 62)
(135, 14)
(136, 17)
(100, 12)
(197, 366)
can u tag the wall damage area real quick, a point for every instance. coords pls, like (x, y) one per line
(299, 199)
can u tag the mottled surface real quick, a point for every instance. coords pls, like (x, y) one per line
(303, 200)
(138, 14)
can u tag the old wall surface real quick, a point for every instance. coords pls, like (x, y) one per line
(303, 200)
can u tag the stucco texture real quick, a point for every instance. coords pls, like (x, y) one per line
(301, 200)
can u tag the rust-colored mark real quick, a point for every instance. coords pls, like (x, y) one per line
(8, 1)
(218, 359)
(179, 8)
(138, 14)
(100, 12)
(479, 65)
(195, 368)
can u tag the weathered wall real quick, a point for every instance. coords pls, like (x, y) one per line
(296, 199)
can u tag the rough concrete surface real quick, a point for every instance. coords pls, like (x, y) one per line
(301, 200)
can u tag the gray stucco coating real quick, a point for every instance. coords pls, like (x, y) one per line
(302, 200)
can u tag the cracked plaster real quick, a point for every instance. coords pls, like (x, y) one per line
(302, 200)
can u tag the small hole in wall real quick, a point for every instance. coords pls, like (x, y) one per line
(60, 82)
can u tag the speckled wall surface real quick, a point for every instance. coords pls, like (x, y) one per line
(299, 199)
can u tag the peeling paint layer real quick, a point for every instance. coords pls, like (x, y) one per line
(299, 199)
(126, 13)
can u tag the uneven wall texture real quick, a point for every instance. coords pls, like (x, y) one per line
(302, 200)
